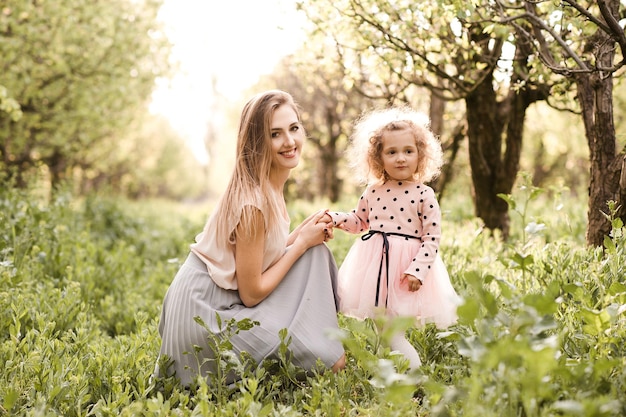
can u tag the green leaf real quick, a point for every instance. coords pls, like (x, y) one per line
(10, 397)
(509, 200)
(468, 312)
(609, 244)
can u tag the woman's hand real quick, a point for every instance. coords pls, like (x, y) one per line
(254, 284)
(413, 283)
(315, 218)
(329, 225)
(326, 218)
(311, 231)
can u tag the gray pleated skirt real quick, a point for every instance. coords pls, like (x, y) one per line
(304, 303)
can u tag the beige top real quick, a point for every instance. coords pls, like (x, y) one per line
(221, 263)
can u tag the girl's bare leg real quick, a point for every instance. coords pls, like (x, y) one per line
(402, 345)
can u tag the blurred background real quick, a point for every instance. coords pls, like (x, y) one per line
(141, 98)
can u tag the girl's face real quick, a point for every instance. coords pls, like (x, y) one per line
(287, 138)
(399, 154)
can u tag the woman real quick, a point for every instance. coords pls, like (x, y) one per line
(246, 265)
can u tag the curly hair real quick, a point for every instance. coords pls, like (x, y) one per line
(366, 143)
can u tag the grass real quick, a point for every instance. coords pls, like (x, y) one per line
(542, 330)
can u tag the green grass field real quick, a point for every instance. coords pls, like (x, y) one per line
(542, 330)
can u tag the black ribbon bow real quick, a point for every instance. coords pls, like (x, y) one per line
(385, 257)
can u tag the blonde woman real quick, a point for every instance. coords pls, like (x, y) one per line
(246, 264)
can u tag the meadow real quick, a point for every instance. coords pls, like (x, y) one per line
(542, 329)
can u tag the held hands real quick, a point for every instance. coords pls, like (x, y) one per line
(313, 230)
(329, 226)
(414, 283)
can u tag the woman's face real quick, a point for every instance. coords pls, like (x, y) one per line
(287, 138)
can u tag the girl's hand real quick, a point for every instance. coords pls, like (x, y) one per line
(413, 283)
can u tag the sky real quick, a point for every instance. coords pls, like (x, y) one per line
(235, 41)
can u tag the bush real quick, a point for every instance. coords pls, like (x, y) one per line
(542, 330)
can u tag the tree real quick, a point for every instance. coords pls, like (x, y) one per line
(80, 71)
(583, 41)
(329, 107)
(388, 46)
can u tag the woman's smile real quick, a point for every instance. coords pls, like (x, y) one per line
(291, 153)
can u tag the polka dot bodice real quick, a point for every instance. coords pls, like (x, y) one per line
(405, 207)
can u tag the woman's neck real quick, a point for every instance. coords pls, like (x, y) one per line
(278, 179)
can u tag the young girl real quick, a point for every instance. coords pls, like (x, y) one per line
(396, 265)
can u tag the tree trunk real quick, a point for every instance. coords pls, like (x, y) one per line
(451, 147)
(435, 113)
(57, 165)
(329, 183)
(484, 132)
(595, 95)
(494, 169)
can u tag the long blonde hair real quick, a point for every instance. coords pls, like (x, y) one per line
(366, 143)
(249, 185)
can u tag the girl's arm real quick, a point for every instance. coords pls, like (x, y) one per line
(431, 234)
(254, 284)
(354, 221)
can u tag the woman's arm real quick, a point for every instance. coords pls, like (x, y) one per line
(253, 283)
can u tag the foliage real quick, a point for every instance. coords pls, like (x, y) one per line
(583, 43)
(500, 57)
(82, 281)
(9, 106)
(152, 161)
(446, 48)
(80, 73)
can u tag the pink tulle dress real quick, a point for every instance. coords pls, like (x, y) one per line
(401, 222)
